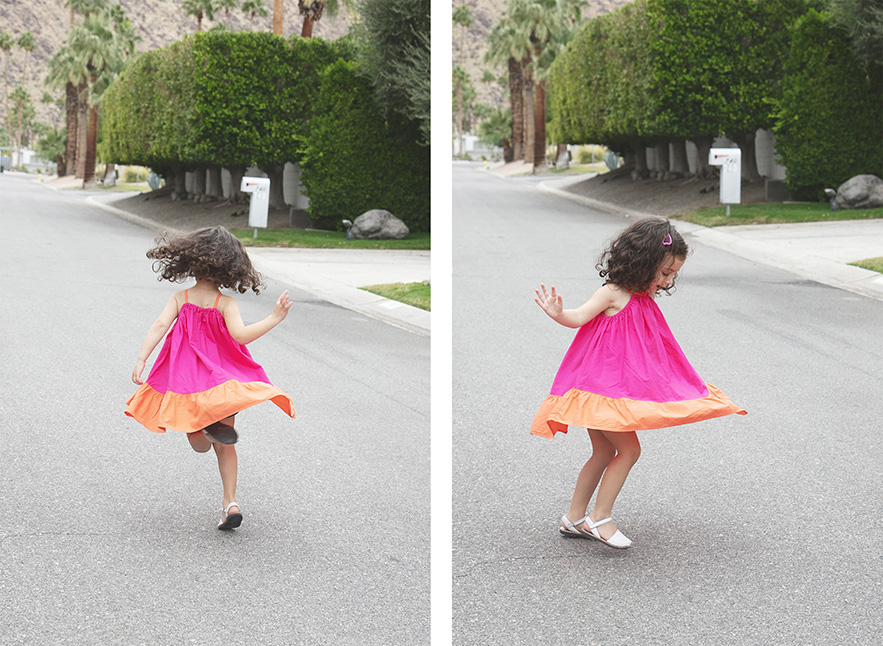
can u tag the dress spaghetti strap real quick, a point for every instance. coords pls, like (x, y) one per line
(185, 296)
(217, 298)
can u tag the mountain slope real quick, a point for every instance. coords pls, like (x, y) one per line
(485, 14)
(158, 23)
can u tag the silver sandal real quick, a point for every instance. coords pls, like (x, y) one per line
(228, 520)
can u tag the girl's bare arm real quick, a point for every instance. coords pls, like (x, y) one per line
(245, 334)
(154, 335)
(553, 305)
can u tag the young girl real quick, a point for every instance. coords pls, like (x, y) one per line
(204, 375)
(624, 372)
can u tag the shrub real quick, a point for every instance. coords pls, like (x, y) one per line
(830, 118)
(355, 160)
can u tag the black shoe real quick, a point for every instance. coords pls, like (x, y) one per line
(221, 433)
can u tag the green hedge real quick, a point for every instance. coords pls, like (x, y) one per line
(355, 160)
(255, 96)
(236, 99)
(601, 85)
(830, 120)
(216, 98)
(671, 69)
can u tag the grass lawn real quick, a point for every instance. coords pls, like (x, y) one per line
(140, 186)
(578, 169)
(325, 240)
(874, 264)
(416, 294)
(774, 213)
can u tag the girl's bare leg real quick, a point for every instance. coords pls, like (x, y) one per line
(199, 442)
(228, 465)
(628, 450)
(589, 476)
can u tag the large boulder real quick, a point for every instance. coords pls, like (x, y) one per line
(378, 224)
(860, 192)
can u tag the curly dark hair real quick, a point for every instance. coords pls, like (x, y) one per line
(212, 254)
(633, 258)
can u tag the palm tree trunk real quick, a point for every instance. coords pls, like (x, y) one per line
(529, 133)
(91, 146)
(516, 101)
(18, 133)
(70, 104)
(277, 17)
(539, 150)
(307, 30)
(6, 95)
(460, 114)
(82, 128)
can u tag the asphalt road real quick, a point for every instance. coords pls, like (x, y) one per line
(758, 529)
(108, 532)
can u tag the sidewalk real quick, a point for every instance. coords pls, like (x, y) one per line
(818, 251)
(333, 275)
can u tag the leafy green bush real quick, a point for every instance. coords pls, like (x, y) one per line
(830, 119)
(671, 69)
(590, 154)
(355, 160)
(215, 98)
(130, 175)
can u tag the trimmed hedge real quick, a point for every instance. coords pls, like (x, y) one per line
(672, 70)
(217, 99)
(355, 160)
(830, 120)
(233, 99)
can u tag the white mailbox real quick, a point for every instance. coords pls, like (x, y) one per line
(730, 161)
(259, 187)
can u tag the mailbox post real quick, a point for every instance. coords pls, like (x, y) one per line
(730, 162)
(259, 187)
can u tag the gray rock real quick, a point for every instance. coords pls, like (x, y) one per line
(378, 224)
(860, 192)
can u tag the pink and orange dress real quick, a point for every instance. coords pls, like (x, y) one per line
(626, 372)
(201, 376)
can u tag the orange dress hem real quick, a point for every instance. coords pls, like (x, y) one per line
(192, 412)
(589, 410)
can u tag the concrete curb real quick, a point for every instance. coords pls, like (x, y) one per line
(821, 270)
(404, 316)
(270, 261)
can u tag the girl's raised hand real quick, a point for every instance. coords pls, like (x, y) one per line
(282, 306)
(552, 303)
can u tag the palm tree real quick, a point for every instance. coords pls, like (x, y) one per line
(312, 11)
(6, 43)
(226, 5)
(463, 18)
(199, 9)
(94, 54)
(66, 71)
(27, 43)
(20, 98)
(505, 47)
(254, 7)
(534, 31)
(84, 7)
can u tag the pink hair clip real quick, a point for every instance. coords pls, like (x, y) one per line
(666, 241)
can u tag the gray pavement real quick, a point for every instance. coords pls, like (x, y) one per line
(818, 251)
(334, 275)
(750, 530)
(109, 532)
